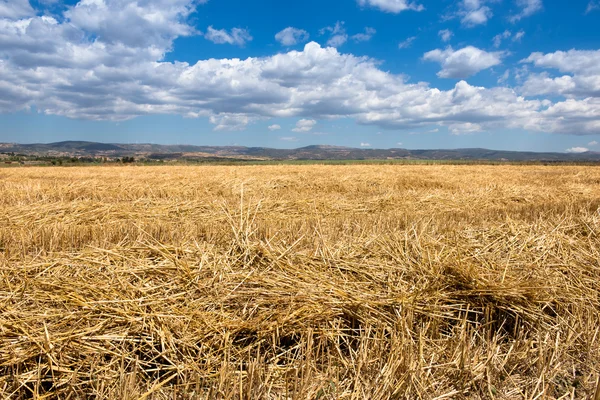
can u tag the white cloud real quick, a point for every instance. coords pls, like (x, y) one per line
(464, 128)
(305, 125)
(582, 67)
(507, 35)
(365, 144)
(445, 35)
(575, 61)
(289, 138)
(405, 44)
(577, 150)
(366, 36)
(274, 127)
(292, 36)
(504, 77)
(399, 144)
(527, 8)
(337, 34)
(236, 36)
(473, 13)
(518, 36)
(14, 9)
(464, 62)
(592, 5)
(229, 122)
(137, 23)
(78, 69)
(593, 143)
(392, 6)
(500, 37)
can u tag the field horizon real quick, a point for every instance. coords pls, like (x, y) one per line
(184, 152)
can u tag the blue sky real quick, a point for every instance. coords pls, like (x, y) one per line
(501, 74)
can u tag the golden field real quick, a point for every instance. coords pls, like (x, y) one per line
(300, 282)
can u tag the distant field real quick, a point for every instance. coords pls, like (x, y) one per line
(300, 282)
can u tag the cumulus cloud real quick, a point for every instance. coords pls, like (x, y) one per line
(305, 125)
(464, 128)
(473, 13)
(581, 69)
(274, 127)
(464, 62)
(292, 36)
(366, 36)
(337, 34)
(363, 144)
(577, 150)
(445, 35)
(229, 121)
(392, 6)
(137, 23)
(593, 143)
(236, 36)
(14, 9)
(289, 138)
(405, 44)
(70, 69)
(526, 9)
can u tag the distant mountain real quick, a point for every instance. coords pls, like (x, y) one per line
(70, 146)
(316, 152)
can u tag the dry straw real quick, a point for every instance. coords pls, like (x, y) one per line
(307, 282)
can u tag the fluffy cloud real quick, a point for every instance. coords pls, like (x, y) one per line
(577, 150)
(140, 23)
(305, 125)
(582, 67)
(464, 62)
(237, 36)
(71, 69)
(363, 144)
(473, 13)
(405, 44)
(229, 121)
(14, 9)
(445, 35)
(464, 128)
(507, 35)
(366, 36)
(392, 6)
(593, 143)
(337, 34)
(274, 127)
(585, 62)
(292, 36)
(527, 8)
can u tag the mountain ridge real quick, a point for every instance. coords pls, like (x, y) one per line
(311, 152)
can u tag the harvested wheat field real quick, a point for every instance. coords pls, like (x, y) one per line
(300, 282)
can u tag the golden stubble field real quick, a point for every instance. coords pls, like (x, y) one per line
(300, 282)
